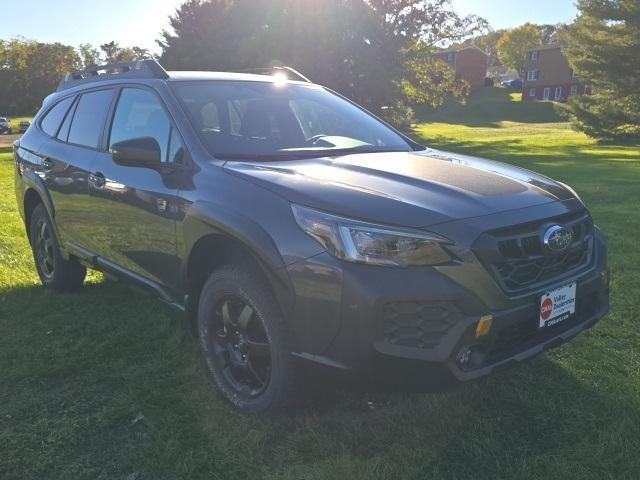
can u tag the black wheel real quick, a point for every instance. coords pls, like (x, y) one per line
(55, 272)
(244, 341)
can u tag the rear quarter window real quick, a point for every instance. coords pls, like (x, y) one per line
(53, 118)
(89, 118)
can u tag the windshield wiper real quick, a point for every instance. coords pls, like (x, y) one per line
(311, 153)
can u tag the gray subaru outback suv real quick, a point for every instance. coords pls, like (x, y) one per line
(298, 230)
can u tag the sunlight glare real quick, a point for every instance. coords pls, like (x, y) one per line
(280, 79)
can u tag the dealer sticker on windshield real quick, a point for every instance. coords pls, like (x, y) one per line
(557, 305)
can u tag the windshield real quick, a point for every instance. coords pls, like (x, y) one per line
(237, 120)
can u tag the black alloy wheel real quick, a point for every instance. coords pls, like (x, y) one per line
(55, 271)
(245, 340)
(44, 248)
(241, 347)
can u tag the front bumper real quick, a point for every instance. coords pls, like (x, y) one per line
(426, 318)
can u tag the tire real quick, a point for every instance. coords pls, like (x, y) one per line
(54, 271)
(237, 315)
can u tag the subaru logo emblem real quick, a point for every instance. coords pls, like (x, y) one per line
(557, 238)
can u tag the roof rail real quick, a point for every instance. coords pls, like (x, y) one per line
(136, 69)
(273, 70)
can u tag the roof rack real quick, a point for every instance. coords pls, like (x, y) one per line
(272, 70)
(136, 69)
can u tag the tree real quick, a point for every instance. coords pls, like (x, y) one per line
(429, 22)
(488, 42)
(89, 56)
(111, 51)
(513, 45)
(552, 33)
(604, 48)
(31, 71)
(359, 48)
(429, 82)
(114, 53)
(140, 53)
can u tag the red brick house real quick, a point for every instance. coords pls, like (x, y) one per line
(547, 75)
(469, 63)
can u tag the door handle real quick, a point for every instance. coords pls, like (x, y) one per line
(47, 164)
(97, 180)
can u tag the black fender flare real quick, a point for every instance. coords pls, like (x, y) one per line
(205, 218)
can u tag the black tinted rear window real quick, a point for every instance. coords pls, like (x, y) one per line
(63, 133)
(52, 120)
(89, 118)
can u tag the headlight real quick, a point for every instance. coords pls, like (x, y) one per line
(361, 242)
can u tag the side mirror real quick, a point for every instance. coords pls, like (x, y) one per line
(141, 152)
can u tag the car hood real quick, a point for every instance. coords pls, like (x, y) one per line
(414, 189)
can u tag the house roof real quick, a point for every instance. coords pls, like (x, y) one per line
(548, 46)
(454, 50)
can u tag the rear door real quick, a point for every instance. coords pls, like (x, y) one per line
(135, 225)
(75, 126)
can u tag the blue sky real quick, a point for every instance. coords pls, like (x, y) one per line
(139, 22)
(511, 13)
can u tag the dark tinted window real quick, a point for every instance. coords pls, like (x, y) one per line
(89, 118)
(52, 120)
(63, 134)
(140, 114)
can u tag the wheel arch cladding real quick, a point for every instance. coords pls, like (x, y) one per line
(214, 235)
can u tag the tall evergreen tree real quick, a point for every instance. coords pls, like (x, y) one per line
(604, 48)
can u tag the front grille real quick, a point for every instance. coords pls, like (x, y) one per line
(518, 260)
(418, 324)
(527, 333)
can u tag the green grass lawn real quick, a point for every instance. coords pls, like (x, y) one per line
(108, 384)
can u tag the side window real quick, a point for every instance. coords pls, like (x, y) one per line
(52, 120)
(88, 120)
(140, 114)
(63, 134)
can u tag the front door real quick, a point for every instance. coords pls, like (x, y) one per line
(135, 206)
(547, 93)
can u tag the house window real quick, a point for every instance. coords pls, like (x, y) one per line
(574, 89)
(547, 93)
(533, 75)
(574, 74)
(532, 92)
(451, 56)
(558, 95)
(533, 56)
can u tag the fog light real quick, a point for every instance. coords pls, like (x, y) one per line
(484, 325)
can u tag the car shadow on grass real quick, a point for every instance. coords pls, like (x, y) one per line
(110, 382)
